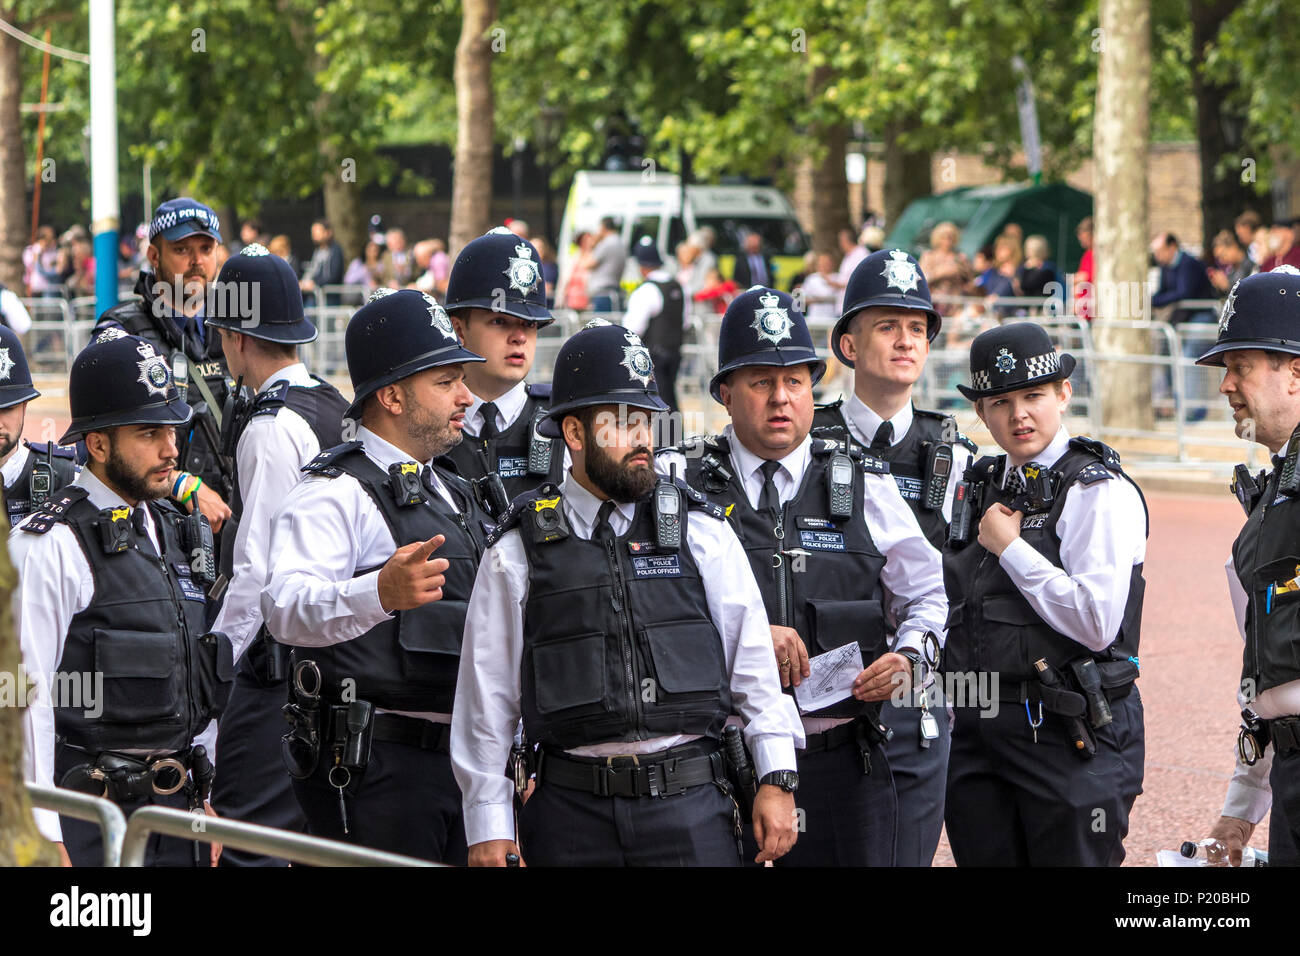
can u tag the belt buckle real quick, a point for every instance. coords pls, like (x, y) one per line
(606, 776)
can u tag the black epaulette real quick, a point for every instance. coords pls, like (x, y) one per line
(984, 469)
(958, 437)
(272, 400)
(323, 464)
(868, 463)
(541, 391)
(48, 516)
(510, 517)
(1092, 473)
(697, 501)
(1104, 453)
(58, 451)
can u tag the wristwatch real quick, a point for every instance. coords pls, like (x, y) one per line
(787, 780)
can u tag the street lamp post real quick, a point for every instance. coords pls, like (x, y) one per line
(103, 152)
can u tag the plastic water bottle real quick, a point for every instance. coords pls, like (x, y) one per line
(1211, 852)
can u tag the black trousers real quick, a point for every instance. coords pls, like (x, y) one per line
(1014, 802)
(252, 783)
(406, 801)
(562, 827)
(1284, 824)
(667, 363)
(920, 779)
(84, 842)
(845, 817)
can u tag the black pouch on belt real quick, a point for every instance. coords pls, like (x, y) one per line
(359, 721)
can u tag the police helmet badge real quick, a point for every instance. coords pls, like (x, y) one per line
(597, 323)
(1005, 362)
(1286, 270)
(770, 322)
(153, 370)
(438, 317)
(900, 273)
(380, 293)
(1229, 308)
(110, 334)
(636, 359)
(254, 249)
(6, 365)
(522, 271)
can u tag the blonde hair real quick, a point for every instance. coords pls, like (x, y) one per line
(1036, 247)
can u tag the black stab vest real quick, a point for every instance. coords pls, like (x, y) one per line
(321, 407)
(1267, 552)
(18, 496)
(664, 333)
(906, 458)
(991, 626)
(143, 632)
(508, 453)
(831, 595)
(408, 662)
(618, 641)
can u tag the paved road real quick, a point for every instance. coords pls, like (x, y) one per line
(1191, 662)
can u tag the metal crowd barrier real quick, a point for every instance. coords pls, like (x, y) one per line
(296, 847)
(82, 806)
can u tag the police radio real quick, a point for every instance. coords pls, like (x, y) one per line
(539, 449)
(41, 484)
(963, 510)
(1289, 481)
(841, 486)
(938, 466)
(668, 514)
(490, 490)
(181, 373)
(196, 534)
(1245, 488)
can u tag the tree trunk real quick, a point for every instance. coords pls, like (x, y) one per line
(907, 173)
(1121, 133)
(824, 180)
(471, 190)
(343, 210)
(1223, 193)
(21, 844)
(13, 163)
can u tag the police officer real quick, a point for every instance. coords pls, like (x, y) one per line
(837, 555)
(885, 335)
(1259, 349)
(1046, 609)
(619, 617)
(292, 416)
(497, 302)
(110, 610)
(170, 312)
(656, 311)
(371, 561)
(31, 473)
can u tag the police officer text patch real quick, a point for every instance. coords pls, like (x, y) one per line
(821, 540)
(191, 590)
(512, 467)
(656, 566)
(909, 488)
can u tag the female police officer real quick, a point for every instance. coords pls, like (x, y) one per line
(1047, 603)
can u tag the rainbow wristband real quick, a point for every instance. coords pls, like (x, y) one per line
(179, 483)
(189, 486)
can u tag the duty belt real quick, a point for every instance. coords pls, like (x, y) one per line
(397, 729)
(124, 779)
(1284, 734)
(661, 774)
(1055, 699)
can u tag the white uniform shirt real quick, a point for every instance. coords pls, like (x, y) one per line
(15, 313)
(327, 529)
(509, 407)
(55, 584)
(647, 301)
(1103, 528)
(913, 573)
(863, 423)
(271, 451)
(487, 709)
(14, 466)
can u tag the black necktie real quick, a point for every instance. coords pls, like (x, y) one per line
(489, 429)
(884, 438)
(1015, 483)
(767, 499)
(603, 529)
(426, 479)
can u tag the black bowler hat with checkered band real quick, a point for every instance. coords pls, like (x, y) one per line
(119, 379)
(1262, 312)
(763, 327)
(1014, 356)
(889, 278)
(601, 364)
(499, 272)
(396, 334)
